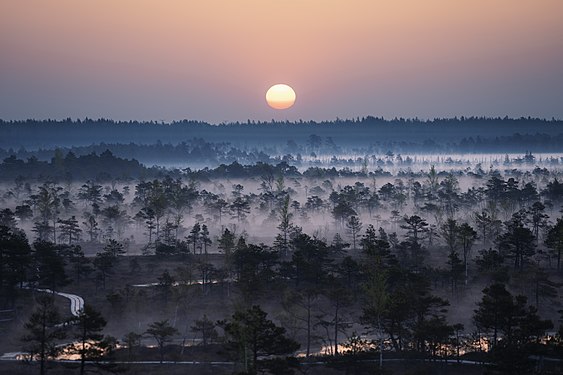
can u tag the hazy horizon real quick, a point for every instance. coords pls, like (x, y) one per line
(357, 119)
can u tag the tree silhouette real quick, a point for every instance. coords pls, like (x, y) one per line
(449, 233)
(194, 237)
(517, 242)
(205, 240)
(69, 230)
(133, 342)
(416, 227)
(376, 304)
(226, 243)
(520, 325)
(554, 240)
(92, 226)
(538, 218)
(49, 265)
(455, 270)
(44, 330)
(284, 226)
(88, 326)
(161, 331)
(206, 328)
(466, 236)
(354, 227)
(240, 208)
(15, 261)
(253, 335)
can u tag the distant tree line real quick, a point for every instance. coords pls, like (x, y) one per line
(434, 134)
(61, 167)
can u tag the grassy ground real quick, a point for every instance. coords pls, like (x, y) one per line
(173, 369)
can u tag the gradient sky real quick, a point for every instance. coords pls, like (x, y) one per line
(213, 60)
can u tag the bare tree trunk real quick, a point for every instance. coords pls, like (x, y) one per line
(465, 260)
(83, 358)
(380, 341)
(308, 326)
(336, 328)
(43, 344)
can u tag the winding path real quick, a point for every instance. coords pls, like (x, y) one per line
(76, 302)
(76, 305)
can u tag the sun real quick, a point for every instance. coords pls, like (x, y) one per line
(280, 96)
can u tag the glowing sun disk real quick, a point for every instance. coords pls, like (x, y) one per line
(280, 96)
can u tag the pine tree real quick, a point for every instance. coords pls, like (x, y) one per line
(254, 336)
(282, 239)
(92, 227)
(456, 268)
(466, 236)
(416, 227)
(88, 326)
(206, 328)
(517, 242)
(354, 226)
(205, 240)
(554, 240)
(133, 342)
(194, 237)
(69, 230)
(161, 331)
(226, 243)
(44, 330)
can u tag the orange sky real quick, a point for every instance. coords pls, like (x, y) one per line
(214, 59)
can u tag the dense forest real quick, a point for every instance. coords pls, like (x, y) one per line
(351, 269)
(306, 254)
(474, 134)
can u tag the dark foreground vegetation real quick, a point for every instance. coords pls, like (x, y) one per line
(405, 367)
